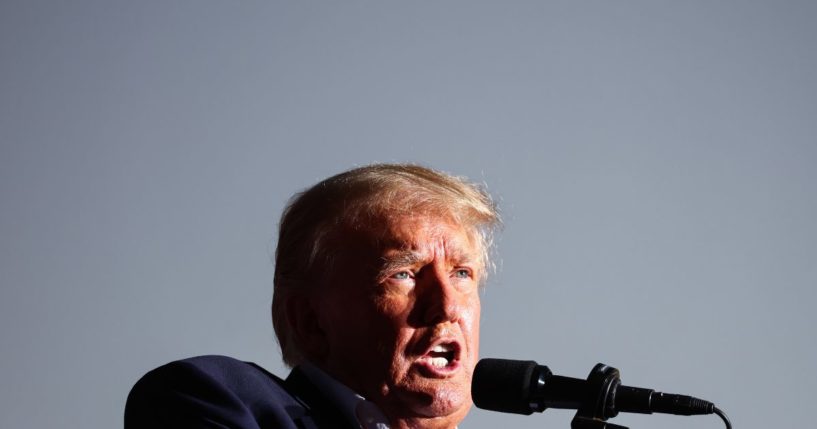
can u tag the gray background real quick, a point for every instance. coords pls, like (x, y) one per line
(654, 161)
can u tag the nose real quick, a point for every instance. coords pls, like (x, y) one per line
(438, 301)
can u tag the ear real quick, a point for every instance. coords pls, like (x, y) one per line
(303, 318)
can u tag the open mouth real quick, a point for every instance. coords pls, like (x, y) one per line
(441, 359)
(442, 355)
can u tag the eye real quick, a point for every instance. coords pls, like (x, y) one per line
(402, 275)
(462, 273)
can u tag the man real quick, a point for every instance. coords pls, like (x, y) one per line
(376, 296)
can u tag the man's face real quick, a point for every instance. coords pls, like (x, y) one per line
(400, 315)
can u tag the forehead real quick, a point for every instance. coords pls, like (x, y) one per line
(419, 232)
(422, 233)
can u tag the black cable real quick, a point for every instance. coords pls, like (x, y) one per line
(723, 417)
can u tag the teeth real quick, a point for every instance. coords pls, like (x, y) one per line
(439, 362)
(441, 348)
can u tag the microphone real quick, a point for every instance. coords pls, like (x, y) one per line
(522, 387)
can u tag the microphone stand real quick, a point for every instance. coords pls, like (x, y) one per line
(598, 405)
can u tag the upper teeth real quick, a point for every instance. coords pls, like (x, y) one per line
(441, 348)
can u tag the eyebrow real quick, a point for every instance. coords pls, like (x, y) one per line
(400, 259)
(408, 258)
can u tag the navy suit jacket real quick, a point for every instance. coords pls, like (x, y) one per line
(222, 392)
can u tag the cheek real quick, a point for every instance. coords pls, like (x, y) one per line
(390, 318)
(471, 326)
(394, 332)
(344, 317)
(472, 311)
(393, 308)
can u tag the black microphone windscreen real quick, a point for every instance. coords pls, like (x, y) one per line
(504, 385)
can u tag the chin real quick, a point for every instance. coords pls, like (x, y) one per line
(448, 404)
(441, 401)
